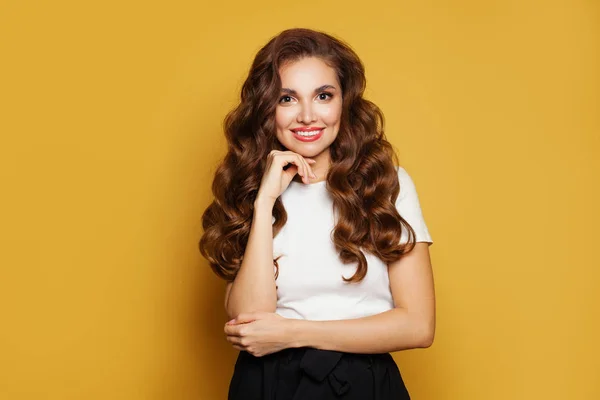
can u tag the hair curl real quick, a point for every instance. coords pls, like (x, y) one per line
(362, 178)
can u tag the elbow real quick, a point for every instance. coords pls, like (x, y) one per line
(234, 312)
(236, 306)
(426, 335)
(426, 341)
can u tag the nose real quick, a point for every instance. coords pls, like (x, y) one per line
(307, 114)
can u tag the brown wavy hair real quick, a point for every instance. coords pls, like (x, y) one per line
(362, 177)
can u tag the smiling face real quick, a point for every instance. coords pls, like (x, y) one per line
(309, 111)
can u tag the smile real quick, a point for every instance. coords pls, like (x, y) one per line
(308, 135)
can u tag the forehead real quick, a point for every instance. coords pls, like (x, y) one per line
(307, 74)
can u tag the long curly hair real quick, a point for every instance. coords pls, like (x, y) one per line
(362, 178)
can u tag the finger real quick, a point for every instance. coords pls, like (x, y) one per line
(299, 162)
(305, 175)
(245, 318)
(307, 168)
(270, 158)
(291, 158)
(235, 330)
(292, 170)
(232, 330)
(235, 340)
(310, 161)
(239, 348)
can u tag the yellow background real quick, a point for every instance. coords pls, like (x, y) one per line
(111, 119)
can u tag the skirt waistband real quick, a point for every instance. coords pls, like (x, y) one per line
(302, 373)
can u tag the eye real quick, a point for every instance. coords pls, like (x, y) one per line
(325, 96)
(285, 99)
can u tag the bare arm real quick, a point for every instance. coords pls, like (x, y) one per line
(410, 324)
(254, 286)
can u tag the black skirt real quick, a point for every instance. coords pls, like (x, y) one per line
(312, 374)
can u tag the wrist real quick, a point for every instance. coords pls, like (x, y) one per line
(296, 337)
(264, 203)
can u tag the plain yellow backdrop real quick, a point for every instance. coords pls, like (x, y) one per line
(111, 118)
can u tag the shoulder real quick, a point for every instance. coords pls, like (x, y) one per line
(402, 172)
(407, 186)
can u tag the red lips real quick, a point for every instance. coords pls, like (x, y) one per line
(307, 129)
(308, 138)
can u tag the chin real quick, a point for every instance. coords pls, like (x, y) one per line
(304, 150)
(309, 150)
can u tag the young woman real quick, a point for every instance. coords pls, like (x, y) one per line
(318, 232)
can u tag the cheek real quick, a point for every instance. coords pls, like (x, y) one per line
(331, 114)
(284, 117)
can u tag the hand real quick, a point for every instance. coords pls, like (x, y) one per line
(275, 180)
(259, 333)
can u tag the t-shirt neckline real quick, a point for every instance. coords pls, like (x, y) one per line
(309, 185)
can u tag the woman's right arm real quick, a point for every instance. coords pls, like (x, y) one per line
(254, 286)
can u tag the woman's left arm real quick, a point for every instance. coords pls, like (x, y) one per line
(410, 324)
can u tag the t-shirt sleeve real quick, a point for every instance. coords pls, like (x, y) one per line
(409, 208)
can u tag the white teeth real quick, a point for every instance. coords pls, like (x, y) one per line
(312, 133)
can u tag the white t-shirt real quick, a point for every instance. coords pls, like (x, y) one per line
(310, 284)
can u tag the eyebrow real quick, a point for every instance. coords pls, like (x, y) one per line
(317, 90)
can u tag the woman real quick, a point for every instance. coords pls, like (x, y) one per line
(317, 231)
